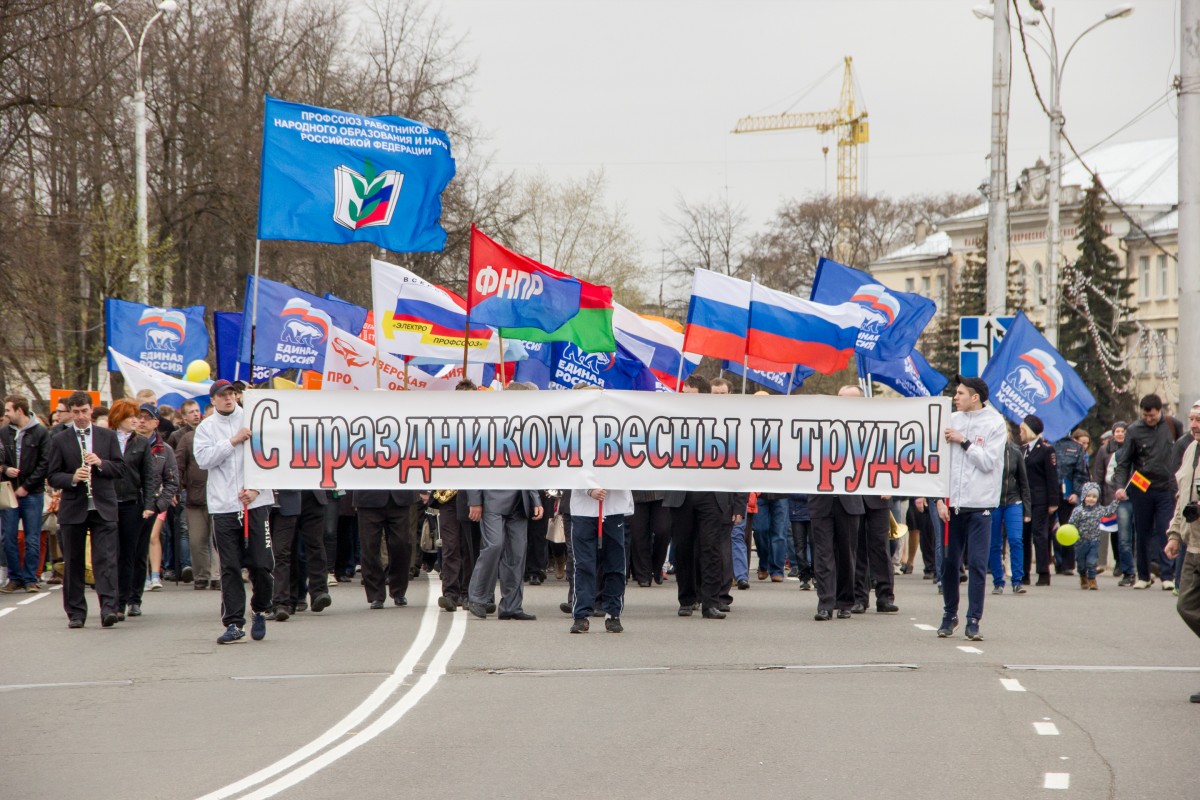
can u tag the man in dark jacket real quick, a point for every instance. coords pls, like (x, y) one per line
(299, 516)
(1072, 475)
(1041, 468)
(1143, 475)
(194, 481)
(385, 516)
(25, 458)
(1009, 519)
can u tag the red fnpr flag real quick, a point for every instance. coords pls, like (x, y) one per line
(509, 290)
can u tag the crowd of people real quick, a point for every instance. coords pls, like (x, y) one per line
(127, 497)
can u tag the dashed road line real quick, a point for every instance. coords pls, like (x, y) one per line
(6, 611)
(1012, 684)
(972, 650)
(33, 599)
(1094, 668)
(1057, 780)
(923, 627)
(1045, 728)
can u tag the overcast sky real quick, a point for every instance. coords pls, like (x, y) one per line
(649, 90)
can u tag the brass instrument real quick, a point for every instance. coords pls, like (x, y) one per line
(443, 496)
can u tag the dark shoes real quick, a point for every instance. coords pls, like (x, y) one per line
(519, 615)
(1194, 698)
(78, 623)
(949, 626)
(794, 572)
(823, 615)
(490, 608)
(135, 609)
(997, 590)
(376, 605)
(258, 627)
(972, 630)
(858, 608)
(1018, 588)
(712, 613)
(447, 603)
(477, 610)
(723, 607)
(564, 607)
(200, 586)
(321, 602)
(613, 625)
(109, 619)
(400, 601)
(743, 584)
(685, 611)
(843, 613)
(1126, 580)
(280, 614)
(185, 575)
(581, 625)
(232, 634)
(1043, 580)
(886, 607)
(806, 586)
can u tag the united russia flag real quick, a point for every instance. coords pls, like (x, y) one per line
(793, 330)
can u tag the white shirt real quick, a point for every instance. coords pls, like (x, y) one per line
(619, 503)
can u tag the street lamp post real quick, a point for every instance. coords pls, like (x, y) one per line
(142, 272)
(1054, 185)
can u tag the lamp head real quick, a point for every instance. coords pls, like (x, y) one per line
(101, 8)
(1037, 5)
(1123, 10)
(168, 6)
(982, 12)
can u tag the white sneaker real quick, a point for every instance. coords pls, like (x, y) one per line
(1168, 586)
(3, 575)
(146, 585)
(332, 579)
(1141, 584)
(155, 585)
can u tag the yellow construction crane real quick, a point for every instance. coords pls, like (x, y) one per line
(849, 122)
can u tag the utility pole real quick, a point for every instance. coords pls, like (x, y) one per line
(997, 253)
(1053, 193)
(1189, 202)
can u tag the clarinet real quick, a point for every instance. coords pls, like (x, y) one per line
(83, 452)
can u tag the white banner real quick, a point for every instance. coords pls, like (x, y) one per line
(603, 439)
(351, 363)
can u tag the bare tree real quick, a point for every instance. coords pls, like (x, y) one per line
(709, 235)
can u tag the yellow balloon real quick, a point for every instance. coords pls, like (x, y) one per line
(1067, 535)
(198, 371)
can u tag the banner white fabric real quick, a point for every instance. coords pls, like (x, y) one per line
(601, 439)
(350, 363)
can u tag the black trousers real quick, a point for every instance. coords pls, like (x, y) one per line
(1036, 539)
(1064, 557)
(801, 541)
(309, 527)
(650, 537)
(458, 553)
(873, 564)
(835, 545)
(347, 546)
(132, 531)
(73, 538)
(392, 524)
(537, 551)
(238, 552)
(698, 527)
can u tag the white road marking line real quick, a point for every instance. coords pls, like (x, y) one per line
(1045, 728)
(310, 675)
(1098, 668)
(36, 597)
(6, 611)
(437, 668)
(846, 666)
(12, 687)
(1012, 684)
(1057, 780)
(969, 649)
(569, 671)
(924, 627)
(352, 720)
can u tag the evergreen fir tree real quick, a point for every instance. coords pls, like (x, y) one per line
(1095, 317)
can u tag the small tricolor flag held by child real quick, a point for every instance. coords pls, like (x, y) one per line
(1108, 524)
(1140, 481)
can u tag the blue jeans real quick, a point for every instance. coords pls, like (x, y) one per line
(1086, 553)
(772, 526)
(1125, 538)
(1152, 512)
(970, 529)
(741, 559)
(1011, 520)
(28, 512)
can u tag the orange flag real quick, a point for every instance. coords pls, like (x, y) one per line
(1140, 481)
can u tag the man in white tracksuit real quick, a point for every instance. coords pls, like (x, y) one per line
(977, 435)
(219, 448)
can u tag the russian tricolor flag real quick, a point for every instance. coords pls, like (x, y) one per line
(1108, 524)
(718, 316)
(790, 329)
(659, 347)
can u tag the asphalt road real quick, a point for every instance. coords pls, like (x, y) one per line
(417, 702)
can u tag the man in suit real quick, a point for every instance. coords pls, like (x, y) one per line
(85, 462)
(385, 514)
(299, 515)
(873, 564)
(504, 517)
(701, 529)
(835, 520)
(1041, 467)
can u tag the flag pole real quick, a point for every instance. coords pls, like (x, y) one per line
(500, 336)
(745, 369)
(467, 324)
(254, 312)
(791, 378)
(406, 375)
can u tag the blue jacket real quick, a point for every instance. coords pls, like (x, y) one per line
(798, 507)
